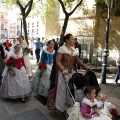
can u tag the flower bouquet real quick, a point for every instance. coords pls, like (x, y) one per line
(10, 63)
(42, 67)
(26, 51)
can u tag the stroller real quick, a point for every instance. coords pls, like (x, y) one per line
(74, 88)
(78, 81)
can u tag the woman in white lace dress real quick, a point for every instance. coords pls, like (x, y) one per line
(15, 82)
(26, 56)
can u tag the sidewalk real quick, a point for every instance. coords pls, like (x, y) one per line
(34, 110)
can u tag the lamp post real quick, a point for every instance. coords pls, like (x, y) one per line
(106, 51)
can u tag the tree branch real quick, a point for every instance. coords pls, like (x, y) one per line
(75, 7)
(30, 7)
(21, 7)
(63, 7)
(27, 5)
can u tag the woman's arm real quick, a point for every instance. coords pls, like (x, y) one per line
(81, 63)
(58, 61)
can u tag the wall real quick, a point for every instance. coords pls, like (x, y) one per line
(114, 35)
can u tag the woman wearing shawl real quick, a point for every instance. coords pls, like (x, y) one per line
(41, 82)
(65, 58)
(26, 56)
(15, 82)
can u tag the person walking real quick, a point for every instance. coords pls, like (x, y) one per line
(15, 82)
(78, 49)
(26, 55)
(37, 45)
(118, 71)
(65, 58)
(41, 82)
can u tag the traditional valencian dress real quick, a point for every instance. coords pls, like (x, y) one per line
(41, 84)
(64, 61)
(27, 60)
(88, 111)
(17, 85)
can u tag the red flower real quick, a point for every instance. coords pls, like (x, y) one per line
(42, 65)
(8, 62)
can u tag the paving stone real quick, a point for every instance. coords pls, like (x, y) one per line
(3, 109)
(17, 106)
(34, 114)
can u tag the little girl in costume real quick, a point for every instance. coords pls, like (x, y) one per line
(15, 82)
(105, 106)
(89, 109)
(41, 83)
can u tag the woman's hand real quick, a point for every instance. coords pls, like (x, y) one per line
(65, 72)
(89, 69)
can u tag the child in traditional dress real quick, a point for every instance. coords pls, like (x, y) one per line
(15, 82)
(89, 109)
(41, 82)
(105, 105)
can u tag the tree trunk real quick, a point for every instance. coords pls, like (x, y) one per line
(25, 29)
(64, 27)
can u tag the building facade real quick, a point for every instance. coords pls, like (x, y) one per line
(8, 24)
(35, 27)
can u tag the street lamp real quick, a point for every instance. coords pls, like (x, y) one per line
(106, 51)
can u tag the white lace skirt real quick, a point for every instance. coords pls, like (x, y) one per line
(17, 86)
(61, 97)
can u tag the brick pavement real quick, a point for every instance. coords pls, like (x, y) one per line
(114, 91)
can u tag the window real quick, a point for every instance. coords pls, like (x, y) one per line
(28, 25)
(37, 31)
(2, 16)
(2, 26)
(32, 30)
(37, 23)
